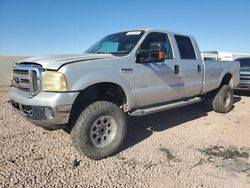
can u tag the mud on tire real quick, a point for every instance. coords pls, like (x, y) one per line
(223, 100)
(100, 130)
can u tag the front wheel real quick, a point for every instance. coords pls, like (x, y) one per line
(223, 100)
(100, 130)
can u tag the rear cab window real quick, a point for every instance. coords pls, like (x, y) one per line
(185, 47)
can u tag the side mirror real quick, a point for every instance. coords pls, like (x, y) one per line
(142, 56)
(154, 54)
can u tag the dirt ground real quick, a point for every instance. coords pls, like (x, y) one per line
(185, 147)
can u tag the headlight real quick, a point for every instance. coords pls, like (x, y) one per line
(53, 81)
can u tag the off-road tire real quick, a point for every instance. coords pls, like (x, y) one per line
(81, 132)
(223, 100)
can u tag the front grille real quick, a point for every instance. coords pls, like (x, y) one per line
(27, 78)
(245, 76)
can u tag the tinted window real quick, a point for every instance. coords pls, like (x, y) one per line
(185, 47)
(244, 62)
(158, 38)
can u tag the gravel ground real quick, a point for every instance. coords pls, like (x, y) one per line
(168, 149)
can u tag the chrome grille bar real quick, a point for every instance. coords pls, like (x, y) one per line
(24, 85)
(21, 76)
(27, 78)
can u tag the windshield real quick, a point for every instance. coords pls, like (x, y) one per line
(244, 62)
(119, 43)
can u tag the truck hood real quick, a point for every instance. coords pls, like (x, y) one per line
(57, 61)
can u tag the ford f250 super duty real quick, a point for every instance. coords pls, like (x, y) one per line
(134, 73)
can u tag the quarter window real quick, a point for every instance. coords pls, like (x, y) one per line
(185, 47)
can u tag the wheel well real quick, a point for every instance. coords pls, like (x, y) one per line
(104, 91)
(227, 80)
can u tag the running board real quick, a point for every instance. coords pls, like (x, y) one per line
(146, 111)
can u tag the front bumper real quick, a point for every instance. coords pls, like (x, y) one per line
(47, 109)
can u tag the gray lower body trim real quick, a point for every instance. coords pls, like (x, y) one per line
(154, 109)
(46, 109)
(44, 116)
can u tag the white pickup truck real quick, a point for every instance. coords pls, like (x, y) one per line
(133, 73)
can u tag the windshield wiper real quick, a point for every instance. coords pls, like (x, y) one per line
(119, 52)
(102, 52)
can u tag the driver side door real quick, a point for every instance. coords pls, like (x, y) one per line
(156, 82)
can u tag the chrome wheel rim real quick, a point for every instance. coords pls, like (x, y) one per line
(103, 131)
(227, 99)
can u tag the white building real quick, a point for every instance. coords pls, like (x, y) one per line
(222, 56)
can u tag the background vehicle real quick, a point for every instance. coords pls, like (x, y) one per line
(244, 74)
(135, 72)
(222, 56)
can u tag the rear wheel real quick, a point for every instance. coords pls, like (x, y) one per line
(223, 100)
(100, 130)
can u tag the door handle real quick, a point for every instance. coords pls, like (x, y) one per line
(199, 68)
(176, 69)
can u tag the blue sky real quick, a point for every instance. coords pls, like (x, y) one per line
(42, 27)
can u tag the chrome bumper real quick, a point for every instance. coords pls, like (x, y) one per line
(47, 109)
(44, 116)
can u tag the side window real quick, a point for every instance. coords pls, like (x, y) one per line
(158, 37)
(185, 47)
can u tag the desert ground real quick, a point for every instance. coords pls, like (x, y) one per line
(187, 147)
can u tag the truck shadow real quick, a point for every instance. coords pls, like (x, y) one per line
(140, 128)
